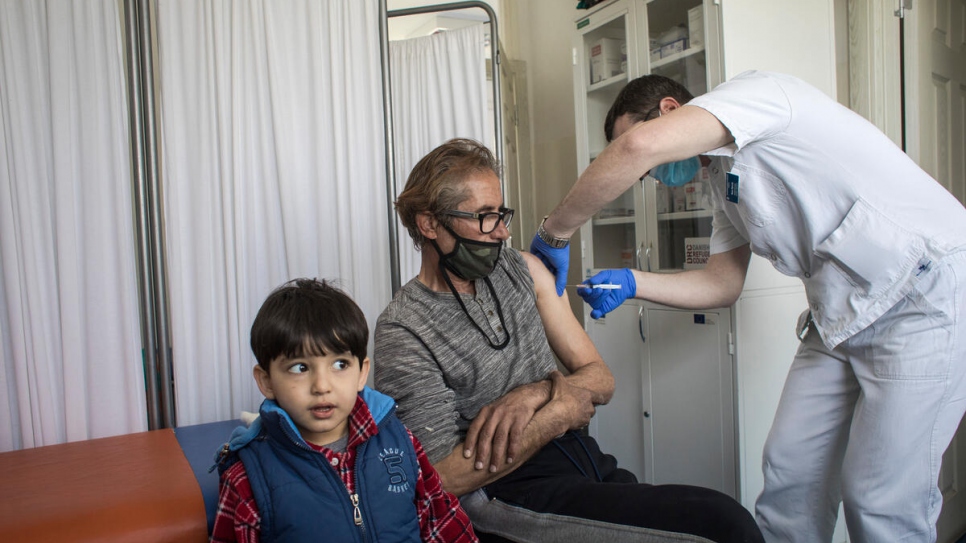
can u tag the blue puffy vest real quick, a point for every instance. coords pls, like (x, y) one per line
(301, 498)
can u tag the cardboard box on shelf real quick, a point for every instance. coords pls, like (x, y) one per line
(605, 59)
(696, 26)
(678, 199)
(692, 196)
(698, 191)
(674, 47)
(655, 49)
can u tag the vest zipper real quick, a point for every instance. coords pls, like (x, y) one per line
(356, 512)
(359, 485)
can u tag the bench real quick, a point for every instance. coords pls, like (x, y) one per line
(148, 486)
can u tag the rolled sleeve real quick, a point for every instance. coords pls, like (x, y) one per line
(752, 106)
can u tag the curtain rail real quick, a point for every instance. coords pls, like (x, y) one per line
(391, 185)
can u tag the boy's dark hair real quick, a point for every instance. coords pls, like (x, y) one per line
(641, 96)
(307, 317)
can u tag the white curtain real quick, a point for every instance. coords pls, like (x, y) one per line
(273, 168)
(439, 91)
(70, 363)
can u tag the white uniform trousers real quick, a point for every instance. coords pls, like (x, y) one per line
(868, 422)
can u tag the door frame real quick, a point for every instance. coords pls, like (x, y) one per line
(879, 90)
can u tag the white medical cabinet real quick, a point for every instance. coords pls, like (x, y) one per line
(696, 390)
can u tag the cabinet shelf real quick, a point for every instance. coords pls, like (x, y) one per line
(677, 56)
(624, 219)
(685, 215)
(610, 81)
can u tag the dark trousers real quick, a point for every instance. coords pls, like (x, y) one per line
(571, 476)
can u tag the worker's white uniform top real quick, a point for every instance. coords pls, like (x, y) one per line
(826, 197)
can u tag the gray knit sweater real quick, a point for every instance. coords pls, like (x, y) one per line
(440, 368)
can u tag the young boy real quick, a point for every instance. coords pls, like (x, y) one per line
(327, 457)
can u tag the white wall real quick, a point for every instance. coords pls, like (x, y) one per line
(749, 26)
(542, 32)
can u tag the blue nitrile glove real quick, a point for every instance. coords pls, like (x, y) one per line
(556, 260)
(604, 301)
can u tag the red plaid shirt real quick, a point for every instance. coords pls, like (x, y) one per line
(441, 519)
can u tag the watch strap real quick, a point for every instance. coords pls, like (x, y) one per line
(556, 243)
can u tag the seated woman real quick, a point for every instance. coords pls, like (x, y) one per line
(467, 349)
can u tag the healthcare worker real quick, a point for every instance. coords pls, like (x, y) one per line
(876, 390)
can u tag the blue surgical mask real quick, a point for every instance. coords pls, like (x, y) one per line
(675, 174)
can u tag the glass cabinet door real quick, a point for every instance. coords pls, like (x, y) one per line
(679, 218)
(604, 38)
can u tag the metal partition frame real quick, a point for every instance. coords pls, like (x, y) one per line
(391, 182)
(156, 350)
(152, 287)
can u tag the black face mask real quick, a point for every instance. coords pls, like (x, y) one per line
(473, 260)
(470, 259)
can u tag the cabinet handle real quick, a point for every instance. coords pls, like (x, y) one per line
(647, 414)
(640, 323)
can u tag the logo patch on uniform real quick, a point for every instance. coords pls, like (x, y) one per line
(732, 188)
(392, 458)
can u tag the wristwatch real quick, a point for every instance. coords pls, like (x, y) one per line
(556, 243)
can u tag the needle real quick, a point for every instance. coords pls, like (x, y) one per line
(603, 286)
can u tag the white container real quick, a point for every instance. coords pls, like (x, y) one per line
(696, 26)
(672, 34)
(674, 47)
(605, 59)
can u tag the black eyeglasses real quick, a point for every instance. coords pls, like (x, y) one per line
(488, 220)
